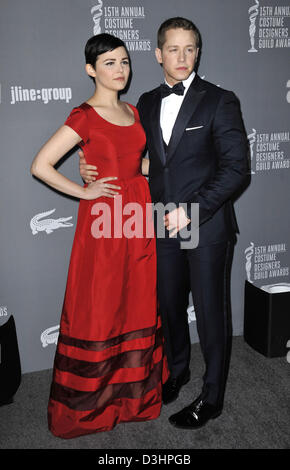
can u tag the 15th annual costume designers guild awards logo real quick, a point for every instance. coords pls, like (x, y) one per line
(265, 261)
(268, 26)
(269, 151)
(122, 21)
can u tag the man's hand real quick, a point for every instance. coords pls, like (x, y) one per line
(101, 187)
(176, 220)
(87, 172)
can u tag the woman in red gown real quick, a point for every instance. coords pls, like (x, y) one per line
(109, 364)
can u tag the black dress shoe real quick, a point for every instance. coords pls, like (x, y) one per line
(196, 415)
(171, 388)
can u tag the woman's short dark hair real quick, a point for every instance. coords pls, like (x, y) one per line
(100, 44)
(174, 23)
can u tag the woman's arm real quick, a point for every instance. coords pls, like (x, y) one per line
(145, 166)
(88, 172)
(52, 151)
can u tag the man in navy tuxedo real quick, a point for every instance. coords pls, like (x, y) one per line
(198, 154)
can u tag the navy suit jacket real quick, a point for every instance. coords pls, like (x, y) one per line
(206, 160)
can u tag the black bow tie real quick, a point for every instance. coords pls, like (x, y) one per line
(166, 90)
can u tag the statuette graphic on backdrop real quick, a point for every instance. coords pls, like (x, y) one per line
(97, 13)
(288, 92)
(249, 253)
(191, 314)
(253, 13)
(252, 141)
(288, 353)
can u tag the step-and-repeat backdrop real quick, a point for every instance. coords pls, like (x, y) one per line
(246, 49)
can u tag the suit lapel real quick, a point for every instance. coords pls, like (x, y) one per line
(193, 97)
(156, 129)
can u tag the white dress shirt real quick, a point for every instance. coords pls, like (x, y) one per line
(170, 107)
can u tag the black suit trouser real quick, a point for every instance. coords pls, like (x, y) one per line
(205, 271)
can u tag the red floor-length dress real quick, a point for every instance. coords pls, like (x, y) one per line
(109, 364)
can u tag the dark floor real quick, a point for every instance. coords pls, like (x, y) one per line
(256, 413)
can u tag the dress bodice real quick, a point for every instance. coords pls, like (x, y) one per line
(115, 150)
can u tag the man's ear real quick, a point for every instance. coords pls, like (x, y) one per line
(158, 55)
(90, 70)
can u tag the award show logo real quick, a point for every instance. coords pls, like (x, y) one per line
(97, 13)
(270, 151)
(49, 336)
(269, 27)
(123, 22)
(264, 261)
(253, 13)
(48, 225)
